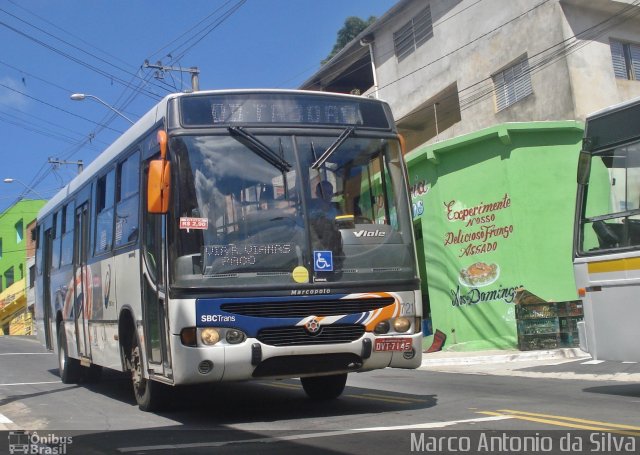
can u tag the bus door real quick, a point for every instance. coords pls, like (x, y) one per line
(82, 307)
(154, 310)
(46, 286)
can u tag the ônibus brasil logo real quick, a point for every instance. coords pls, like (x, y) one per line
(33, 443)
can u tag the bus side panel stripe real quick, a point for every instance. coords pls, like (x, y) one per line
(617, 265)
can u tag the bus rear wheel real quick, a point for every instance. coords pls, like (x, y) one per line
(150, 395)
(70, 369)
(324, 387)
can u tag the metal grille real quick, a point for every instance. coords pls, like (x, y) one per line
(303, 308)
(512, 84)
(298, 336)
(414, 33)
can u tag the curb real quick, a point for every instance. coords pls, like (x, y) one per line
(462, 359)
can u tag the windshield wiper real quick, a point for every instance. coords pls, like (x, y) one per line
(333, 147)
(259, 147)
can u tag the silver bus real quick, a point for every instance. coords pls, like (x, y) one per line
(607, 233)
(232, 235)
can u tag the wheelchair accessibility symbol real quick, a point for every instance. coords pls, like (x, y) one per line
(323, 261)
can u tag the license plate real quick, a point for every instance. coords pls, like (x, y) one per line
(393, 344)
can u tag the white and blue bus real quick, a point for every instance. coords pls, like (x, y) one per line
(231, 235)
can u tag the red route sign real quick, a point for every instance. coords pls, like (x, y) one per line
(194, 223)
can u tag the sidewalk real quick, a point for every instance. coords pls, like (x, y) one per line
(568, 363)
(498, 356)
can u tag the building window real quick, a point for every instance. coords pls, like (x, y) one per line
(413, 34)
(8, 276)
(626, 60)
(512, 84)
(32, 276)
(19, 231)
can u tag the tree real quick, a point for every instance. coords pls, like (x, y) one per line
(352, 27)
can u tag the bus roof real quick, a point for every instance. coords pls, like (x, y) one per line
(144, 124)
(612, 126)
(613, 108)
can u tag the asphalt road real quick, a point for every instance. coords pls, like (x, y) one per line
(386, 411)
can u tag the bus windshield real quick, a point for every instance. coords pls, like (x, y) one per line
(253, 208)
(610, 218)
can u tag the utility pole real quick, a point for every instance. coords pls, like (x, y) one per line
(161, 69)
(57, 162)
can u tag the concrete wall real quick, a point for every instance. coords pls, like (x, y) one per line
(593, 83)
(473, 40)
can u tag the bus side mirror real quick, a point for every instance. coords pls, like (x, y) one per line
(584, 167)
(159, 179)
(159, 186)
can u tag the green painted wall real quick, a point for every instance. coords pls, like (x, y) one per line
(496, 209)
(13, 252)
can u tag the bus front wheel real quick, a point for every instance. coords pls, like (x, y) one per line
(150, 395)
(70, 369)
(324, 387)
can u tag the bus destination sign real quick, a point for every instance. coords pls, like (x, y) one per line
(232, 109)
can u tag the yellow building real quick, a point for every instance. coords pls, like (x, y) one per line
(15, 319)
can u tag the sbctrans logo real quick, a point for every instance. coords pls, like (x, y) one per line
(33, 443)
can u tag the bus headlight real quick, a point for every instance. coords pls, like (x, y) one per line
(382, 327)
(234, 336)
(209, 336)
(401, 324)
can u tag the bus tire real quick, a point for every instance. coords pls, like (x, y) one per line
(324, 387)
(150, 395)
(69, 368)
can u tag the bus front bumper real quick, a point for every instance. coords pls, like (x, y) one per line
(252, 359)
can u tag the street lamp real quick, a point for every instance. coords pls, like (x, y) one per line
(10, 180)
(82, 96)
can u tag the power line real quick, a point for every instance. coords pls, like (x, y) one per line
(56, 107)
(68, 32)
(187, 32)
(80, 62)
(124, 70)
(40, 119)
(207, 31)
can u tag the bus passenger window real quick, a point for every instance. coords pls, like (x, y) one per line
(104, 210)
(66, 257)
(127, 200)
(55, 252)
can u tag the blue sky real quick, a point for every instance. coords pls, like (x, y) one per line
(51, 49)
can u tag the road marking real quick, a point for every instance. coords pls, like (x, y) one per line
(5, 419)
(419, 426)
(30, 383)
(574, 419)
(592, 362)
(26, 353)
(580, 424)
